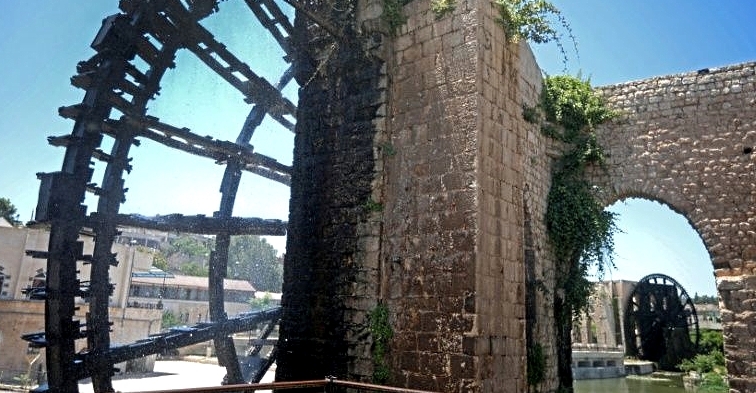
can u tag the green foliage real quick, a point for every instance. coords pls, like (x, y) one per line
(193, 269)
(573, 104)
(534, 21)
(381, 331)
(704, 363)
(373, 206)
(528, 20)
(713, 383)
(388, 149)
(185, 254)
(531, 114)
(169, 319)
(579, 230)
(393, 15)
(253, 259)
(536, 364)
(189, 246)
(250, 258)
(159, 261)
(8, 211)
(261, 303)
(705, 299)
(710, 341)
(443, 7)
(709, 363)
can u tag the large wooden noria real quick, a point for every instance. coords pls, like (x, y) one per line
(113, 80)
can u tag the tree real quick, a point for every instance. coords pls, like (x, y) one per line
(253, 259)
(250, 258)
(8, 211)
(186, 254)
(705, 299)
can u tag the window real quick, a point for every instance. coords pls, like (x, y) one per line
(2, 282)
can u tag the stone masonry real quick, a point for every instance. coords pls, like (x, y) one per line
(331, 267)
(435, 231)
(455, 200)
(688, 141)
(418, 185)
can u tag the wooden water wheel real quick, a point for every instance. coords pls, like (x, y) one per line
(661, 324)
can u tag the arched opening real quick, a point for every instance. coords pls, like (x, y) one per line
(652, 241)
(652, 238)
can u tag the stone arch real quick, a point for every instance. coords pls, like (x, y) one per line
(687, 140)
(609, 200)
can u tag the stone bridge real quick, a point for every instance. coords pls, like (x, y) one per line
(417, 188)
(688, 141)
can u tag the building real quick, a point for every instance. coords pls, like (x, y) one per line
(141, 295)
(186, 297)
(20, 314)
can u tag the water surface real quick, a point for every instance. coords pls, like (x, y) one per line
(631, 385)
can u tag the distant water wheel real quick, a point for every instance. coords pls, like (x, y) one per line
(661, 324)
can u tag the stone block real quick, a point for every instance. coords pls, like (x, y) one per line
(730, 284)
(462, 366)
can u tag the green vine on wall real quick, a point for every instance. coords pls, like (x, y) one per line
(530, 20)
(580, 230)
(381, 331)
(536, 364)
(393, 15)
(534, 21)
(442, 7)
(578, 226)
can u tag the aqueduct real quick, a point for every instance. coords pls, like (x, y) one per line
(416, 187)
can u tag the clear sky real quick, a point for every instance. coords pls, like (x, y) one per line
(620, 41)
(41, 41)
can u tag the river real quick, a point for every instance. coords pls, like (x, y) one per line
(672, 384)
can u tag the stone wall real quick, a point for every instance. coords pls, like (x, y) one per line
(331, 271)
(422, 210)
(418, 185)
(431, 220)
(688, 141)
(466, 166)
(601, 327)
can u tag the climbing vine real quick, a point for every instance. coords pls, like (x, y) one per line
(442, 7)
(580, 230)
(393, 15)
(381, 331)
(536, 364)
(530, 20)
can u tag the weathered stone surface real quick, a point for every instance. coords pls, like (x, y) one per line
(687, 141)
(418, 185)
(332, 267)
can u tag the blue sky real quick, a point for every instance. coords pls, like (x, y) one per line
(41, 41)
(620, 41)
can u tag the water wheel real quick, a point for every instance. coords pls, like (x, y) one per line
(661, 324)
(135, 49)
